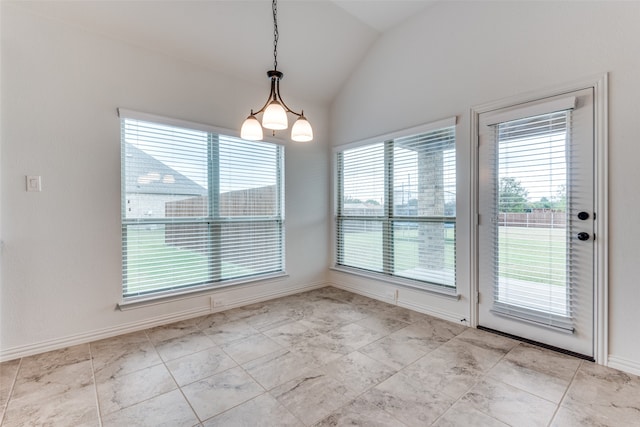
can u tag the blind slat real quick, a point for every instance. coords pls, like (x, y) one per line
(198, 208)
(407, 177)
(531, 269)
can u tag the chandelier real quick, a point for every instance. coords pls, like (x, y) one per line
(274, 111)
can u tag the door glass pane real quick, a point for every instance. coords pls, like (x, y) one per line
(531, 220)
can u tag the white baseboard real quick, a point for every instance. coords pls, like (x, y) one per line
(622, 364)
(85, 337)
(431, 311)
(384, 294)
(82, 338)
(364, 292)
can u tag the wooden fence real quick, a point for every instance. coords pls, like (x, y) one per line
(252, 202)
(536, 219)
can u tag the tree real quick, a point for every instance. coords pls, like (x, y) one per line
(560, 199)
(372, 202)
(543, 203)
(512, 196)
(349, 199)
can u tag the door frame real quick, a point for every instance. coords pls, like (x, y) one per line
(599, 83)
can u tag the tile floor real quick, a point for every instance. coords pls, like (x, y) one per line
(322, 358)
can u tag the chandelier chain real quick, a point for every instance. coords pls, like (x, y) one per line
(274, 109)
(276, 35)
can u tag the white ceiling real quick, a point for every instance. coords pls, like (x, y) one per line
(380, 14)
(321, 41)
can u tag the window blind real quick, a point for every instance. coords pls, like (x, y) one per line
(531, 266)
(199, 209)
(362, 207)
(396, 207)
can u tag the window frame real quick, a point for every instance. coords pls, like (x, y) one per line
(388, 218)
(212, 220)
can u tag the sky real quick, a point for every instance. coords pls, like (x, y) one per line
(539, 164)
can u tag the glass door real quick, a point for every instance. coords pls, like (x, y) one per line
(536, 221)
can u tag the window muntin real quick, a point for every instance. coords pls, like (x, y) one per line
(397, 205)
(200, 209)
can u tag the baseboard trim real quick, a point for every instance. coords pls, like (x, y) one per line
(241, 302)
(98, 334)
(622, 364)
(85, 337)
(444, 315)
(365, 293)
(421, 308)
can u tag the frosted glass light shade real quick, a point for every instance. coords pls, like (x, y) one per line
(275, 116)
(251, 129)
(301, 130)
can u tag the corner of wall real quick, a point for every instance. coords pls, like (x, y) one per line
(622, 364)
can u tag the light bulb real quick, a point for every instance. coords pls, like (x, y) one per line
(301, 130)
(251, 129)
(275, 116)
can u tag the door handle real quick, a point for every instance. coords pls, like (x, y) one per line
(583, 215)
(583, 236)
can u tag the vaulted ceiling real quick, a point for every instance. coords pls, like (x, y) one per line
(321, 41)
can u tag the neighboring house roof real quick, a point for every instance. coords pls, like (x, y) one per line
(147, 175)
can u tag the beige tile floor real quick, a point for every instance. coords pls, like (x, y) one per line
(323, 358)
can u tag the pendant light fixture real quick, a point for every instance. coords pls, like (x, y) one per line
(274, 111)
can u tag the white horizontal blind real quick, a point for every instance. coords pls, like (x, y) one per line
(424, 207)
(396, 207)
(249, 208)
(199, 208)
(532, 268)
(362, 207)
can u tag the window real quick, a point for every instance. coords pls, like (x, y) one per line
(396, 208)
(199, 209)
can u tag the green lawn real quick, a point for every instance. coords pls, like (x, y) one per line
(533, 254)
(406, 253)
(152, 264)
(528, 254)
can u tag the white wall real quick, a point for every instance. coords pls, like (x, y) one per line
(460, 54)
(61, 262)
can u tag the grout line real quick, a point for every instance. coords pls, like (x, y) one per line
(10, 395)
(178, 387)
(555, 413)
(162, 362)
(95, 386)
(484, 374)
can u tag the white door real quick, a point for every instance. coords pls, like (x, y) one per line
(536, 221)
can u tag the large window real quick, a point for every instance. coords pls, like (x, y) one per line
(396, 208)
(199, 209)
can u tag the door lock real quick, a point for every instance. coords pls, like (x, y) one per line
(583, 215)
(583, 236)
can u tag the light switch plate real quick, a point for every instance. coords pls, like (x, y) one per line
(34, 183)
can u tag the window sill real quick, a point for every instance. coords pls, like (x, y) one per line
(437, 290)
(131, 303)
